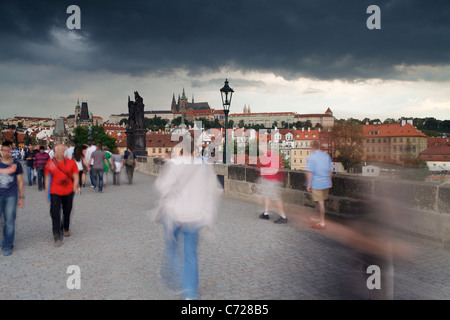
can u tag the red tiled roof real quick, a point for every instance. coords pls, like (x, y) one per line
(391, 130)
(436, 154)
(9, 136)
(313, 115)
(160, 140)
(302, 134)
(438, 142)
(263, 113)
(443, 150)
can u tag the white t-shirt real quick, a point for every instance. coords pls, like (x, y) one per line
(89, 152)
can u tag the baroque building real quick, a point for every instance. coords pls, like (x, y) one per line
(182, 104)
(82, 115)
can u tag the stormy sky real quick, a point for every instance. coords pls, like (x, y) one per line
(302, 56)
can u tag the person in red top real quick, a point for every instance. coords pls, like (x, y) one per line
(63, 184)
(272, 180)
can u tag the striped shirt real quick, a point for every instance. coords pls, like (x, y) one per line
(41, 160)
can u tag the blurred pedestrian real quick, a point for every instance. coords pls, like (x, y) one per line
(98, 158)
(29, 158)
(189, 195)
(108, 166)
(318, 180)
(91, 148)
(11, 195)
(40, 161)
(271, 181)
(117, 159)
(61, 181)
(15, 152)
(129, 162)
(78, 157)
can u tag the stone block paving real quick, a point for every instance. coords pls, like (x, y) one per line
(118, 249)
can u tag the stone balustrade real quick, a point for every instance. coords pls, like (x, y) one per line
(422, 208)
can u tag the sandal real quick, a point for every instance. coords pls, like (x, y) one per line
(319, 226)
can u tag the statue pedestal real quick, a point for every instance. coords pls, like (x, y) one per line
(136, 141)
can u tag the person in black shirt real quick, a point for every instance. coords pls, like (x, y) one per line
(29, 158)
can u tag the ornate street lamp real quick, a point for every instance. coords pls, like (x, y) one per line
(226, 93)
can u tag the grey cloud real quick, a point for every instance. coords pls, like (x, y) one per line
(241, 83)
(320, 39)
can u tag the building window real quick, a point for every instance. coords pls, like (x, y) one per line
(395, 139)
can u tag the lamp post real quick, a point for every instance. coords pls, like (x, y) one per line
(226, 93)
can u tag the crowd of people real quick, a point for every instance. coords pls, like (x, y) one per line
(61, 172)
(188, 192)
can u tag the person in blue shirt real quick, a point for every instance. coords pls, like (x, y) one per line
(318, 179)
(11, 195)
(15, 153)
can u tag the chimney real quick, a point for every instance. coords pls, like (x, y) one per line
(309, 129)
(303, 129)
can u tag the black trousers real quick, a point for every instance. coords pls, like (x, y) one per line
(58, 224)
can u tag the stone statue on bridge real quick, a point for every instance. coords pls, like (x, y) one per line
(136, 129)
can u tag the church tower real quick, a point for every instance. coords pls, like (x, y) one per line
(77, 111)
(245, 109)
(183, 102)
(173, 106)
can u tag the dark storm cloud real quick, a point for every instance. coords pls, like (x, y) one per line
(316, 38)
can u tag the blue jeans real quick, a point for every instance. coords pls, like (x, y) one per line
(189, 269)
(31, 176)
(98, 178)
(8, 208)
(40, 178)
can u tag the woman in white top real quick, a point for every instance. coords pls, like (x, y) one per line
(189, 193)
(117, 158)
(78, 155)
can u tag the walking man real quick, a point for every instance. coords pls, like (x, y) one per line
(63, 184)
(29, 157)
(40, 161)
(129, 160)
(98, 158)
(318, 180)
(11, 195)
(91, 148)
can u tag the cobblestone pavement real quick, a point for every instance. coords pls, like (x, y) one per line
(118, 249)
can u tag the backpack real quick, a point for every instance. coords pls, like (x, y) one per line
(130, 159)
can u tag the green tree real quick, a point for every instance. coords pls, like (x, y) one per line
(81, 136)
(347, 138)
